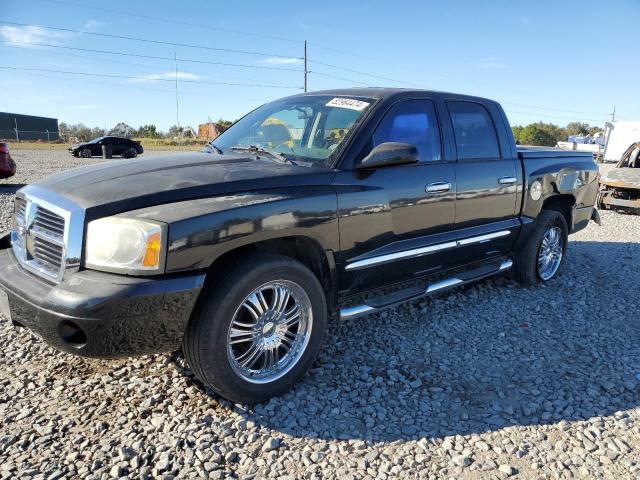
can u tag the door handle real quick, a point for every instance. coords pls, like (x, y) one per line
(507, 180)
(438, 187)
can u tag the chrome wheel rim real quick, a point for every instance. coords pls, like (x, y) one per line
(270, 331)
(550, 254)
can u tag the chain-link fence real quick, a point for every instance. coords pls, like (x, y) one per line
(18, 135)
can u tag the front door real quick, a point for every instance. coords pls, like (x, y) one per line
(399, 220)
(486, 174)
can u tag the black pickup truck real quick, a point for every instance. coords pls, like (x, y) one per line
(296, 215)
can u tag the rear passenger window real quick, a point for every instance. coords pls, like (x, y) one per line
(414, 122)
(474, 131)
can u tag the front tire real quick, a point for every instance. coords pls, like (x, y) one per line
(542, 258)
(257, 331)
(86, 153)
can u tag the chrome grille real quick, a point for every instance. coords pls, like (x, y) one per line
(48, 256)
(48, 223)
(47, 238)
(20, 209)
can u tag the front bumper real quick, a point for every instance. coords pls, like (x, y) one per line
(97, 314)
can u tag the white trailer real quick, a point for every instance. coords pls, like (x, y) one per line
(619, 136)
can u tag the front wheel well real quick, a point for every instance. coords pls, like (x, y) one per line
(303, 249)
(561, 203)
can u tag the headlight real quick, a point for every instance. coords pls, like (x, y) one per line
(126, 245)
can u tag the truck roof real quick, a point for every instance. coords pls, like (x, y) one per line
(386, 92)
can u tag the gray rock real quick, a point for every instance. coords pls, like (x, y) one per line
(271, 444)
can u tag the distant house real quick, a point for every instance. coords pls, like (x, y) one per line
(209, 131)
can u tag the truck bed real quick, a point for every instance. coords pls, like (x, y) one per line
(531, 152)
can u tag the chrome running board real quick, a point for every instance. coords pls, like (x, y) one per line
(395, 298)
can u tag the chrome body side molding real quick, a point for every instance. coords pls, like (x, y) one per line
(416, 252)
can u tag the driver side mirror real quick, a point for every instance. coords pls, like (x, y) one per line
(389, 154)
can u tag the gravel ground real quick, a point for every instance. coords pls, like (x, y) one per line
(492, 381)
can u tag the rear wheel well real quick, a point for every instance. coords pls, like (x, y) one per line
(563, 204)
(303, 249)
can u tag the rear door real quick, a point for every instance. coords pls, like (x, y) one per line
(486, 173)
(396, 221)
(118, 145)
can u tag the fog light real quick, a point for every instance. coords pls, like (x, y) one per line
(72, 334)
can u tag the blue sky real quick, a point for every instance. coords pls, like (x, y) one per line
(543, 60)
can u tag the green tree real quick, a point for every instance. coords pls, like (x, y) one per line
(545, 134)
(174, 131)
(517, 132)
(577, 128)
(223, 124)
(97, 132)
(80, 131)
(122, 130)
(148, 131)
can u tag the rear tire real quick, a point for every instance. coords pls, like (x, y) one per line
(130, 153)
(543, 257)
(257, 331)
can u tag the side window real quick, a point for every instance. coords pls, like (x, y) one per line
(414, 122)
(474, 131)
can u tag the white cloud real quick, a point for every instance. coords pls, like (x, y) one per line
(492, 62)
(92, 25)
(168, 76)
(87, 107)
(281, 60)
(28, 34)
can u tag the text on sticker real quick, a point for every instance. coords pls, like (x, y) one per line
(350, 103)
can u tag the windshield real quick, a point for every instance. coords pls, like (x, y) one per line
(306, 130)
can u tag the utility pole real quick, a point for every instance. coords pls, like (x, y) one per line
(305, 66)
(613, 115)
(16, 129)
(175, 58)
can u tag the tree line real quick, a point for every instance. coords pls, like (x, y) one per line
(82, 133)
(540, 133)
(548, 134)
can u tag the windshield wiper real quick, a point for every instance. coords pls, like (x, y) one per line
(258, 150)
(216, 148)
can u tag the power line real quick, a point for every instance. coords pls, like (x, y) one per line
(359, 72)
(153, 57)
(145, 88)
(91, 74)
(431, 73)
(553, 109)
(174, 21)
(146, 66)
(314, 72)
(554, 116)
(147, 40)
(420, 86)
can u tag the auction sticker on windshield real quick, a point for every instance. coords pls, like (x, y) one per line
(350, 103)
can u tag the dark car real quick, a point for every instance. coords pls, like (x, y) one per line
(124, 147)
(243, 254)
(7, 165)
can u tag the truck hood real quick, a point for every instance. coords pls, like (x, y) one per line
(119, 186)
